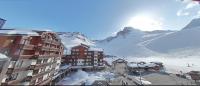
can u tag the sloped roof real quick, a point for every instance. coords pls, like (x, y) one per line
(82, 45)
(120, 61)
(95, 49)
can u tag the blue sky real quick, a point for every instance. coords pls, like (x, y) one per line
(95, 18)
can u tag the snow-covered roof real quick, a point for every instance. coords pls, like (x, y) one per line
(95, 49)
(16, 31)
(120, 60)
(156, 62)
(141, 65)
(2, 56)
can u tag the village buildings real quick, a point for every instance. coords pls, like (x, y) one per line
(35, 56)
(136, 67)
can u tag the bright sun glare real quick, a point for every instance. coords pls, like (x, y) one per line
(145, 23)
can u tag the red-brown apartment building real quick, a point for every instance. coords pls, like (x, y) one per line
(83, 56)
(35, 56)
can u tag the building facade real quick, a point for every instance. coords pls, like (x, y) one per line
(35, 56)
(85, 57)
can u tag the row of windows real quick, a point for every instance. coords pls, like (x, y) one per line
(78, 50)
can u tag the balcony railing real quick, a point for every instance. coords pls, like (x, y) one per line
(15, 82)
(41, 74)
(54, 49)
(43, 65)
(47, 56)
(28, 47)
(55, 42)
(45, 48)
(20, 69)
(28, 78)
(45, 82)
(47, 41)
(10, 71)
(35, 56)
(37, 66)
(27, 56)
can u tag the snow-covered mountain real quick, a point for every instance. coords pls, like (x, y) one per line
(185, 39)
(70, 39)
(133, 42)
(194, 24)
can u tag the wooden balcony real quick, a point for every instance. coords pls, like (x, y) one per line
(47, 41)
(26, 56)
(31, 67)
(28, 78)
(45, 48)
(28, 47)
(41, 74)
(15, 82)
(45, 82)
(38, 66)
(54, 49)
(49, 56)
(56, 42)
(35, 56)
(10, 71)
(20, 69)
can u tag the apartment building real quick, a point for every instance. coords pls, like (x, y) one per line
(83, 56)
(35, 56)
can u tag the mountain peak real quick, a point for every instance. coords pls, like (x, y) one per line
(127, 30)
(195, 23)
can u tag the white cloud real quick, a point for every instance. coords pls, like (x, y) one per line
(191, 5)
(182, 13)
(189, 9)
(198, 12)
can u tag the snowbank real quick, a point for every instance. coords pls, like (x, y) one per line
(88, 78)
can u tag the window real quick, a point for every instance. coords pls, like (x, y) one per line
(39, 61)
(45, 60)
